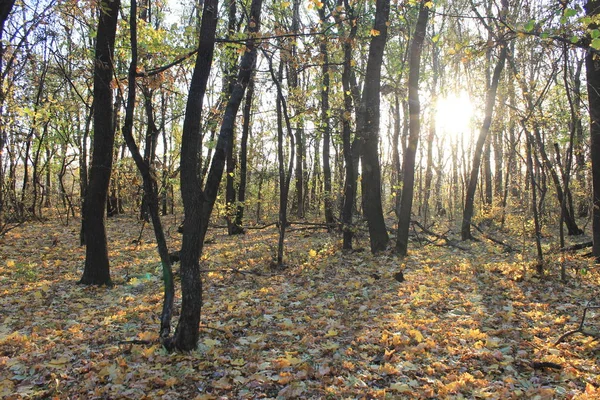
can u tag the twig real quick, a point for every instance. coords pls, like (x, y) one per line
(233, 270)
(448, 241)
(492, 239)
(575, 247)
(136, 341)
(580, 328)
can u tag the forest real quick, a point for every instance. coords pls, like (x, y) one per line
(299, 199)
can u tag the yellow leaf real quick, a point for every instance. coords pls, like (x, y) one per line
(149, 336)
(223, 383)
(58, 362)
(331, 332)
(429, 4)
(10, 263)
(312, 253)
(172, 381)
(285, 4)
(211, 342)
(417, 335)
(375, 32)
(401, 388)
(238, 361)
(148, 352)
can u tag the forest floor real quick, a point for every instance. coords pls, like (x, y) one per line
(463, 324)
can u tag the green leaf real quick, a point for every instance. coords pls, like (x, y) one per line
(529, 25)
(574, 39)
(596, 43)
(570, 12)
(595, 33)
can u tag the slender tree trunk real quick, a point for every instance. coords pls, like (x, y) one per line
(294, 81)
(284, 176)
(144, 165)
(246, 124)
(396, 165)
(5, 9)
(97, 268)
(592, 64)
(326, 128)
(349, 192)
(369, 131)
(196, 221)
(186, 334)
(408, 165)
(534, 207)
(432, 133)
(490, 100)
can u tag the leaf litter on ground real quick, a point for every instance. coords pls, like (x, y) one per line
(332, 325)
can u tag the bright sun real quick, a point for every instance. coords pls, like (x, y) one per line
(454, 115)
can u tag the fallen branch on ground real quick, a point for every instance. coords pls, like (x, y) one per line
(449, 242)
(492, 239)
(580, 328)
(575, 247)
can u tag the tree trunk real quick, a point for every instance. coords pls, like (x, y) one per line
(326, 128)
(592, 64)
(408, 164)
(97, 268)
(186, 334)
(369, 131)
(144, 165)
(241, 192)
(5, 9)
(198, 204)
(349, 192)
(490, 100)
(284, 176)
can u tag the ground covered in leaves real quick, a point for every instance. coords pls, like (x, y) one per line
(476, 324)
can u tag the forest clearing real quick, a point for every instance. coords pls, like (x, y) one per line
(463, 324)
(304, 199)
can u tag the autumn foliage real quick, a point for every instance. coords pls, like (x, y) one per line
(463, 324)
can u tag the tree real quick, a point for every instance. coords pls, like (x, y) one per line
(592, 65)
(198, 203)
(490, 100)
(97, 267)
(326, 125)
(369, 130)
(414, 107)
(144, 165)
(5, 9)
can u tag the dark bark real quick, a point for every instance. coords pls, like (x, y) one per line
(432, 133)
(396, 164)
(97, 268)
(284, 176)
(5, 9)
(198, 204)
(369, 132)
(346, 117)
(151, 140)
(294, 83)
(186, 335)
(408, 165)
(349, 156)
(326, 127)
(490, 100)
(241, 192)
(144, 165)
(229, 66)
(562, 193)
(534, 207)
(592, 64)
